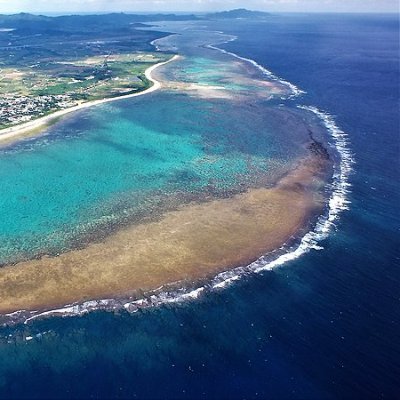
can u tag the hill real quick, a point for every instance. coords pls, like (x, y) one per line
(238, 13)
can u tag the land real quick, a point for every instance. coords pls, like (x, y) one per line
(238, 13)
(27, 94)
(52, 64)
(30, 128)
(48, 64)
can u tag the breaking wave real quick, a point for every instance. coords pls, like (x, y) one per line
(295, 91)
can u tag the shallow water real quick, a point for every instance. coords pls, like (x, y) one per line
(122, 161)
(133, 162)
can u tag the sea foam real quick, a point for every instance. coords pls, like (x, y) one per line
(295, 91)
(337, 203)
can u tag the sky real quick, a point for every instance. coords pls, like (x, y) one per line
(61, 6)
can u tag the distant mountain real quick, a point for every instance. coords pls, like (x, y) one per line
(24, 21)
(237, 13)
(23, 17)
(31, 23)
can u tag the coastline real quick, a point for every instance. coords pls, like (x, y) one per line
(15, 132)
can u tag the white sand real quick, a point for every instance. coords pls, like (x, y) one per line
(17, 131)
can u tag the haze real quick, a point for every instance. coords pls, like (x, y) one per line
(88, 6)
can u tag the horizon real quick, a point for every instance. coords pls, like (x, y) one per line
(199, 6)
(180, 12)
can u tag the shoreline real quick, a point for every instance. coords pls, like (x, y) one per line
(15, 132)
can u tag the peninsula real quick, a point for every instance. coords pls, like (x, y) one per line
(32, 127)
(73, 60)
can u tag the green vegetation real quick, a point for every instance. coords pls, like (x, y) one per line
(100, 77)
(52, 63)
(30, 92)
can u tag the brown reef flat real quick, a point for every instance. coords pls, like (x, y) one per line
(194, 242)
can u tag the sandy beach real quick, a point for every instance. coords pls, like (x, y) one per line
(18, 131)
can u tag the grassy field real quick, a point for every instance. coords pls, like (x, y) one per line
(27, 92)
(93, 76)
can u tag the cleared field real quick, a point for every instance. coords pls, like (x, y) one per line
(33, 91)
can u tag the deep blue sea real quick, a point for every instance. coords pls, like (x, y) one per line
(326, 325)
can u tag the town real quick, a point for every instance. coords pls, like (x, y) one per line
(16, 109)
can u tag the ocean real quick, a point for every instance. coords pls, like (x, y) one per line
(323, 325)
